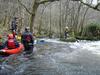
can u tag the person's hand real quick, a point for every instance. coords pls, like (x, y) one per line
(34, 37)
(2, 50)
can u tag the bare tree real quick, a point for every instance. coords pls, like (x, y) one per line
(95, 7)
(81, 26)
(32, 13)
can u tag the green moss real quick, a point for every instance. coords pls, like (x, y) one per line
(91, 38)
(70, 39)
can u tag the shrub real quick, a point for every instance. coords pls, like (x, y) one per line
(92, 30)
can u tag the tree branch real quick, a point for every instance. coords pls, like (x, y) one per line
(93, 7)
(42, 2)
(96, 7)
(89, 5)
(25, 7)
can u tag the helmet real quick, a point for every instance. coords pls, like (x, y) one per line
(27, 28)
(10, 36)
(66, 27)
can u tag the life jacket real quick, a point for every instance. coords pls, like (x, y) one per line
(18, 38)
(28, 38)
(11, 44)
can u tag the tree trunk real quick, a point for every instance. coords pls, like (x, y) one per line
(76, 20)
(32, 18)
(60, 19)
(50, 33)
(82, 23)
(31, 22)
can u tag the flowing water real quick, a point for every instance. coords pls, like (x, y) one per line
(56, 58)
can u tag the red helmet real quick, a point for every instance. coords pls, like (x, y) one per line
(10, 36)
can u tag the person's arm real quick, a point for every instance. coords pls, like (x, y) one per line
(32, 39)
(5, 44)
(22, 38)
(16, 43)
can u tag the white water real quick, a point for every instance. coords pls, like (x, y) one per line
(63, 58)
(84, 59)
(93, 46)
(53, 40)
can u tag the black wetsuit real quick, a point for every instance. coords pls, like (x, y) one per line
(28, 42)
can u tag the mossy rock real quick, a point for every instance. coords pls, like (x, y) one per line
(69, 39)
(91, 38)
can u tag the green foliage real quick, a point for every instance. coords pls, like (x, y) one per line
(91, 32)
(92, 29)
(88, 38)
(71, 34)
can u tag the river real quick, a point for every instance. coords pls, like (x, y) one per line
(56, 58)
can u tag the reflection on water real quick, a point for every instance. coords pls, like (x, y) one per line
(55, 58)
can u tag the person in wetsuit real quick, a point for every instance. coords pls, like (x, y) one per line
(27, 40)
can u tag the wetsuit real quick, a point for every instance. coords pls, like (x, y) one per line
(28, 42)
